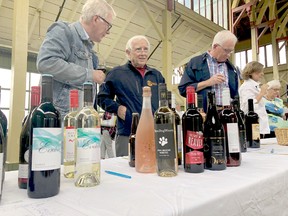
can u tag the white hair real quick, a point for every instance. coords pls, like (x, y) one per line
(274, 84)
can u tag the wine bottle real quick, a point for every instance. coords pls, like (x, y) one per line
(192, 124)
(145, 152)
(2, 171)
(69, 135)
(87, 168)
(252, 126)
(178, 125)
(45, 145)
(131, 144)
(200, 106)
(24, 139)
(230, 124)
(242, 114)
(241, 125)
(165, 136)
(214, 137)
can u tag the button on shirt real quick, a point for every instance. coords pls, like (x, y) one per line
(217, 68)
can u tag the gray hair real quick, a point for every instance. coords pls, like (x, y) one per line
(96, 7)
(136, 38)
(222, 36)
(274, 84)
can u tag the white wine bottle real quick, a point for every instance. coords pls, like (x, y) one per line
(69, 135)
(87, 167)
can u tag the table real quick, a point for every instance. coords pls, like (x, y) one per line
(258, 187)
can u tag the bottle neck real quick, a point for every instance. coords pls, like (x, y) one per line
(88, 97)
(35, 100)
(135, 121)
(163, 103)
(191, 100)
(47, 92)
(146, 102)
(250, 106)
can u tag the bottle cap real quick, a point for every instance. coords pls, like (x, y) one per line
(146, 91)
(74, 98)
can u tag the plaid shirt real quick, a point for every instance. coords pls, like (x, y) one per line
(217, 68)
(111, 130)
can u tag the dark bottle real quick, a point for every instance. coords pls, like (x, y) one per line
(165, 136)
(192, 124)
(24, 139)
(214, 137)
(45, 145)
(229, 121)
(242, 114)
(241, 125)
(200, 106)
(131, 144)
(178, 125)
(2, 162)
(252, 126)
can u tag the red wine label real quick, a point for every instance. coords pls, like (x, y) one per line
(194, 139)
(165, 141)
(255, 132)
(194, 157)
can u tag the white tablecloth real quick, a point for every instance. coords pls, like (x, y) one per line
(258, 187)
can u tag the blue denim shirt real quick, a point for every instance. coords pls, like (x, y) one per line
(66, 53)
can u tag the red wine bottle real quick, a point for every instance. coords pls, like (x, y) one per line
(131, 144)
(229, 121)
(241, 125)
(192, 124)
(24, 139)
(45, 145)
(165, 136)
(252, 126)
(214, 137)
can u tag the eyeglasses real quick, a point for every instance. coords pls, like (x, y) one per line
(228, 51)
(109, 25)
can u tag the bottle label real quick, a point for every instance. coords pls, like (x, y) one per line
(88, 145)
(69, 149)
(255, 132)
(243, 140)
(23, 171)
(194, 157)
(194, 139)
(233, 138)
(218, 150)
(46, 149)
(165, 141)
(1, 170)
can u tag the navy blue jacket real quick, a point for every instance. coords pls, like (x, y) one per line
(197, 71)
(126, 83)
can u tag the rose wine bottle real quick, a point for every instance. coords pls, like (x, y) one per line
(165, 136)
(252, 126)
(131, 144)
(45, 145)
(241, 125)
(178, 125)
(192, 124)
(87, 168)
(145, 152)
(214, 137)
(229, 121)
(69, 136)
(24, 139)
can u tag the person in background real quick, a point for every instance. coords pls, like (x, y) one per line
(67, 51)
(275, 108)
(212, 70)
(250, 89)
(126, 83)
(108, 131)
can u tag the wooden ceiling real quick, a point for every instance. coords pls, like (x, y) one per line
(191, 33)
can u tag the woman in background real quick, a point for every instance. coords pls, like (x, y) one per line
(250, 89)
(275, 108)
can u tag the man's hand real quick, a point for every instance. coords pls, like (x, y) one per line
(216, 79)
(121, 112)
(98, 76)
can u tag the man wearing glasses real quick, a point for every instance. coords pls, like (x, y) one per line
(212, 70)
(125, 82)
(67, 51)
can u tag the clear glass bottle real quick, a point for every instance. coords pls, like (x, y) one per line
(165, 136)
(145, 152)
(45, 145)
(131, 144)
(87, 167)
(252, 126)
(214, 137)
(69, 135)
(229, 121)
(192, 124)
(24, 139)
